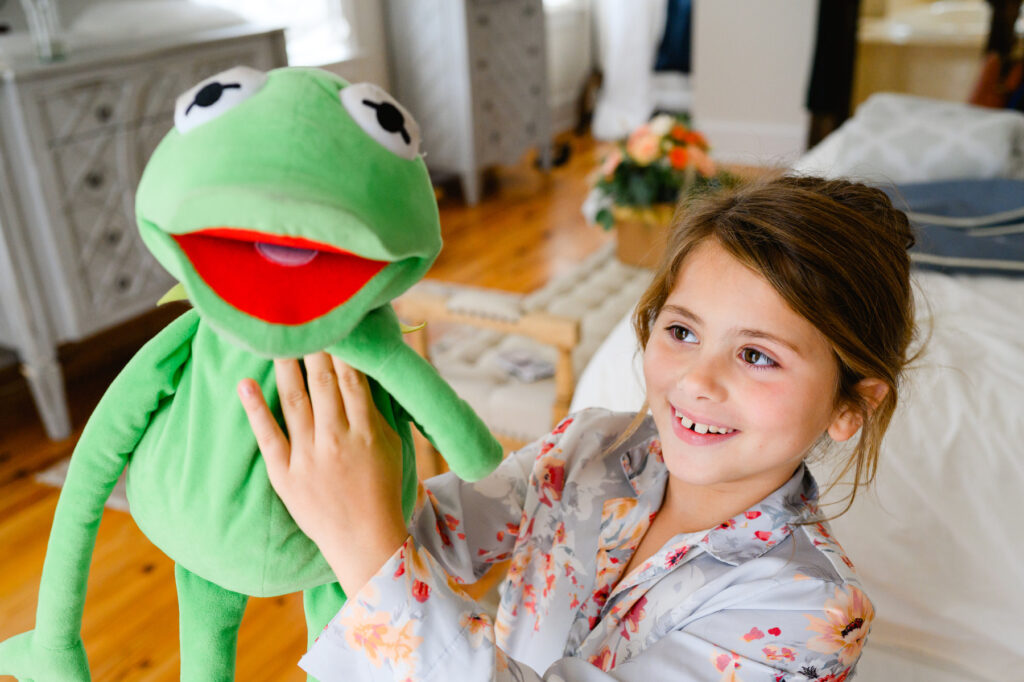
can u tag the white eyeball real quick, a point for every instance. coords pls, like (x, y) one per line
(216, 95)
(383, 118)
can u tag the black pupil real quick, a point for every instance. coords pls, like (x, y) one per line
(210, 93)
(390, 118)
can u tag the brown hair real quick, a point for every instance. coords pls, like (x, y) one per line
(836, 252)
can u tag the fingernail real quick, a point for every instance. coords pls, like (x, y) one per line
(245, 388)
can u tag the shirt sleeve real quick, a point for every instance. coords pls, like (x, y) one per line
(412, 621)
(467, 527)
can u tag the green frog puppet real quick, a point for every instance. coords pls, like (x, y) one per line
(292, 207)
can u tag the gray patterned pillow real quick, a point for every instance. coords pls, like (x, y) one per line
(896, 138)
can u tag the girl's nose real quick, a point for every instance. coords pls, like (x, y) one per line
(703, 379)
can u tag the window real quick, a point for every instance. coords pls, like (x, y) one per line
(317, 32)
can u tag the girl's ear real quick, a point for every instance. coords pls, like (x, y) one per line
(848, 418)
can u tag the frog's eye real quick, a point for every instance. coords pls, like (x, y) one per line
(216, 95)
(383, 119)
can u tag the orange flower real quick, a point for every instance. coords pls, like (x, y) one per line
(551, 479)
(847, 621)
(679, 132)
(705, 166)
(643, 145)
(695, 138)
(604, 659)
(678, 157)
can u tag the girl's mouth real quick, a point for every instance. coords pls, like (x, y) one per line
(697, 433)
(701, 428)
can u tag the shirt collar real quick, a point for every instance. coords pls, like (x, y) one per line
(745, 536)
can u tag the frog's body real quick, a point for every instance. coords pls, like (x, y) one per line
(292, 222)
(238, 508)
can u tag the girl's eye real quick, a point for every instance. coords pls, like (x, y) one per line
(216, 95)
(757, 358)
(680, 333)
(382, 118)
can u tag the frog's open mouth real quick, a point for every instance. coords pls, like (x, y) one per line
(281, 280)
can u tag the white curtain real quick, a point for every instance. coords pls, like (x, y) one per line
(628, 34)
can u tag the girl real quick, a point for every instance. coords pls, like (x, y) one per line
(685, 543)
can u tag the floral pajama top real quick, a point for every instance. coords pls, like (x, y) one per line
(757, 598)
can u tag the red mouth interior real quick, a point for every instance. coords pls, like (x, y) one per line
(289, 280)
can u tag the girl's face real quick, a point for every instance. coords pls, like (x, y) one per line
(739, 384)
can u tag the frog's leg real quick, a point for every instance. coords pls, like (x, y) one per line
(208, 617)
(321, 603)
(54, 649)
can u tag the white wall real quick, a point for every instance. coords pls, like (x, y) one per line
(751, 66)
(369, 60)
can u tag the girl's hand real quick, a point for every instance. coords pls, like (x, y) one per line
(339, 470)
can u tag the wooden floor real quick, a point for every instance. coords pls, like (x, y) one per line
(527, 229)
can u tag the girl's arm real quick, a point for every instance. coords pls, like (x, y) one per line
(411, 621)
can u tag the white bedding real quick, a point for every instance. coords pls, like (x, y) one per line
(939, 543)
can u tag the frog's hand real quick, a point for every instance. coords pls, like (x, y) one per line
(111, 435)
(375, 347)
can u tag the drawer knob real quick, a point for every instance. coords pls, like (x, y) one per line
(103, 113)
(94, 179)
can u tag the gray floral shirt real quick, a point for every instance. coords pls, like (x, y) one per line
(757, 598)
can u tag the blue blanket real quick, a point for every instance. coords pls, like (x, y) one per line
(967, 226)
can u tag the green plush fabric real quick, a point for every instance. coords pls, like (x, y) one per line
(285, 164)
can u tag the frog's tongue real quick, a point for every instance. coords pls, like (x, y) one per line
(281, 280)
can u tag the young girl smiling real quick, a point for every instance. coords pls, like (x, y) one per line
(684, 543)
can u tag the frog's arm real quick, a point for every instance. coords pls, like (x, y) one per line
(375, 347)
(54, 650)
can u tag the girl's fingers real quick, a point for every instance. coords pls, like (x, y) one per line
(328, 407)
(273, 443)
(291, 389)
(355, 392)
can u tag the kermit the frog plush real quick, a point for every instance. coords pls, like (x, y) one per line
(293, 207)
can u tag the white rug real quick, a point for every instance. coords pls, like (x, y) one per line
(55, 475)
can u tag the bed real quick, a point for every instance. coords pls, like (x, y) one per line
(938, 542)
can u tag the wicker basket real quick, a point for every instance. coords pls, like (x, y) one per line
(642, 233)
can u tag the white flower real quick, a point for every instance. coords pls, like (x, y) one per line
(595, 201)
(662, 124)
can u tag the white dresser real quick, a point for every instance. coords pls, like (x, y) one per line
(473, 73)
(74, 138)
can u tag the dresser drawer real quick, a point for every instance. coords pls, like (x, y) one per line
(110, 263)
(84, 108)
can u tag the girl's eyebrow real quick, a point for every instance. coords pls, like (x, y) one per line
(752, 333)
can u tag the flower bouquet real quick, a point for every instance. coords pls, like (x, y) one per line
(641, 180)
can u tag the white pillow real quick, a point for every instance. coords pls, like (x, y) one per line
(896, 138)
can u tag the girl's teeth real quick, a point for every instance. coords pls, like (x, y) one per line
(701, 428)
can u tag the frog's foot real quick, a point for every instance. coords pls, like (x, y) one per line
(29, 661)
